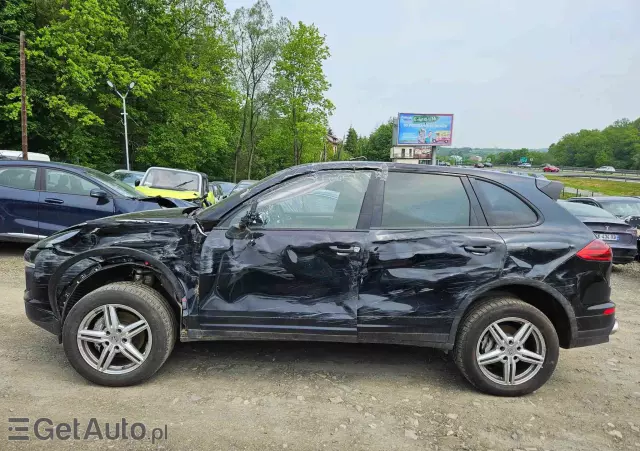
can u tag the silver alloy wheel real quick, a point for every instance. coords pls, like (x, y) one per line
(114, 339)
(511, 351)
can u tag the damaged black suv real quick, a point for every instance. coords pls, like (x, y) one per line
(482, 263)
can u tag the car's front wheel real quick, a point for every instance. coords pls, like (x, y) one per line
(119, 334)
(506, 347)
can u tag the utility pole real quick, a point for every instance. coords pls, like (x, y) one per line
(124, 115)
(23, 89)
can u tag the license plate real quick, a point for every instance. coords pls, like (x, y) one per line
(607, 236)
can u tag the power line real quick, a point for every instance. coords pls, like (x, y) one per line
(9, 37)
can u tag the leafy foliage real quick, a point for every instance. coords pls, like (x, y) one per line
(351, 144)
(512, 157)
(200, 75)
(299, 90)
(378, 145)
(617, 145)
(257, 41)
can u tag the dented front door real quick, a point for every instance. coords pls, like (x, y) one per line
(283, 282)
(297, 270)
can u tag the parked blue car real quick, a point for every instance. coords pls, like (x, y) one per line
(40, 198)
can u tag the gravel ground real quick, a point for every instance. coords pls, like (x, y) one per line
(268, 396)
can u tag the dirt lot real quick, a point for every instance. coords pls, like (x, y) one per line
(261, 396)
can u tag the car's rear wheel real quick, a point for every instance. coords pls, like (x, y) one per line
(119, 334)
(506, 347)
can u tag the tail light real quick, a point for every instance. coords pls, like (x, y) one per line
(597, 250)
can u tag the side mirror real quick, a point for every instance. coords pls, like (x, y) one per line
(137, 183)
(98, 193)
(253, 218)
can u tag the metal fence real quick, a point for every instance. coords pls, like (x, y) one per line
(568, 192)
(618, 171)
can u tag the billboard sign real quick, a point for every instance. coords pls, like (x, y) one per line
(425, 129)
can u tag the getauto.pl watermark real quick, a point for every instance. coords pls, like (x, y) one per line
(22, 428)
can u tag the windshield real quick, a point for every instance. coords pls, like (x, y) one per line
(116, 185)
(622, 208)
(578, 209)
(226, 187)
(171, 179)
(242, 185)
(127, 177)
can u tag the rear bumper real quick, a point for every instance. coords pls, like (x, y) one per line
(40, 314)
(596, 327)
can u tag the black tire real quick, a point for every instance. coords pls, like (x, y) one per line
(145, 300)
(478, 319)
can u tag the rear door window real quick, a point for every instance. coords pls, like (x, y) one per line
(503, 208)
(424, 200)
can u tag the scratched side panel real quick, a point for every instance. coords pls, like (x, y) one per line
(548, 255)
(415, 280)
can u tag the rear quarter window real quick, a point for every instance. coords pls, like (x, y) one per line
(503, 208)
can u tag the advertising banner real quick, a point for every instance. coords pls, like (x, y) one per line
(425, 129)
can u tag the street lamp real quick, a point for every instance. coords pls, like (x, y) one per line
(124, 114)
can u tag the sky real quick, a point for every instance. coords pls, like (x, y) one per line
(514, 73)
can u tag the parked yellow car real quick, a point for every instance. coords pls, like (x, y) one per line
(178, 184)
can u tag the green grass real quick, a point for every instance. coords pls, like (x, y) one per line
(608, 187)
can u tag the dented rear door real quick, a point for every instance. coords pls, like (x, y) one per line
(429, 246)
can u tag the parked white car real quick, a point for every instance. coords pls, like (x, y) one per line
(17, 155)
(609, 169)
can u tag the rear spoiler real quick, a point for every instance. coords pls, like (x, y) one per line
(550, 187)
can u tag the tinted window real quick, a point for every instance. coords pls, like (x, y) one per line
(68, 183)
(116, 185)
(16, 177)
(623, 208)
(503, 208)
(329, 200)
(424, 200)
(127, 177)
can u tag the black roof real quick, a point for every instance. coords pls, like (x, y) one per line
(551, 188)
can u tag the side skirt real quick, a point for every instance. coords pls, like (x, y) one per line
(240, 335)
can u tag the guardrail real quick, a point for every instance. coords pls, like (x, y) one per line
(570, 171)
(618, 171)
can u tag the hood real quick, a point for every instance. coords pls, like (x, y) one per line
(161, 216)
(177, 194)
(168, 202)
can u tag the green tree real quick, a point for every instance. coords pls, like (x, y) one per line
(257, 40)
(182, 111)
(299, 90)
(350, 144)
(379, 143)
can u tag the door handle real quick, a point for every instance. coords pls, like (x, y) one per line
(52, 200)
(343, 251)
(478, 250)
